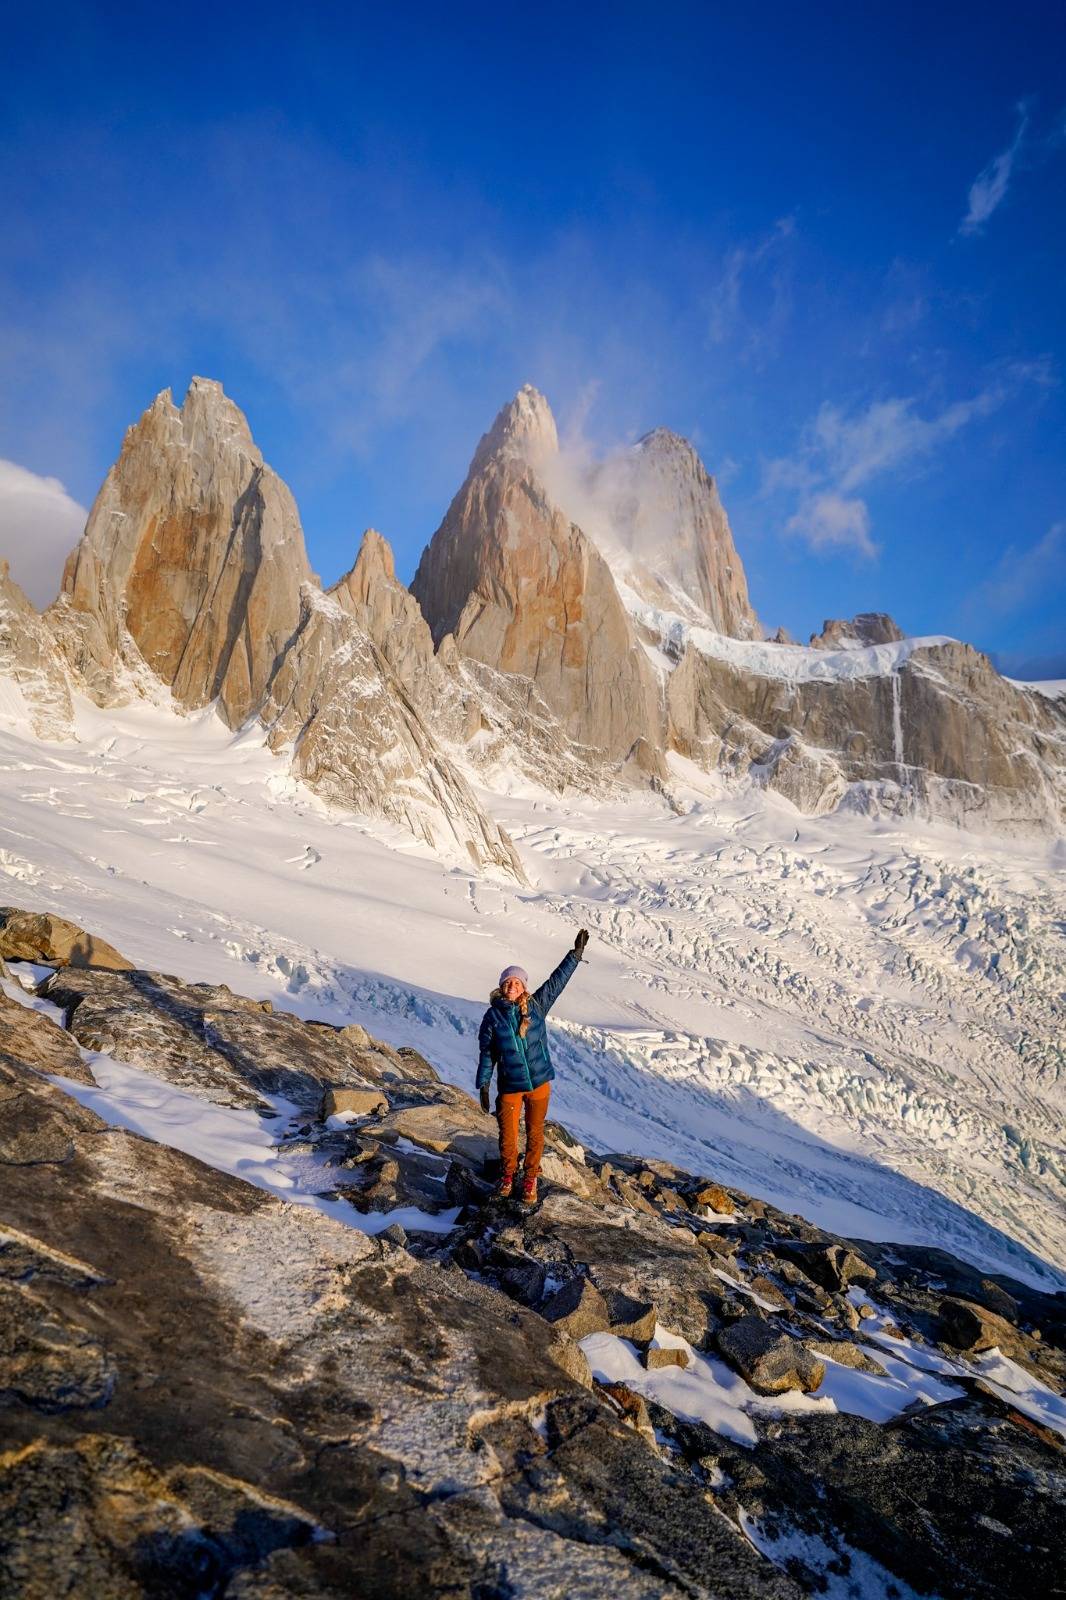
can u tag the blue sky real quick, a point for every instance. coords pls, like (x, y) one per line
(826, 243)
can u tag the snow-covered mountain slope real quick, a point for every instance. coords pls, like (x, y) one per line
(859, 1020)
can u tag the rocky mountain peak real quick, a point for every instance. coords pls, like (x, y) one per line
(194, 551)
(373, 561)
(861, 631)
(523, 590)
(371, 593)
(210, 418)
(524, 428)
(669, 445)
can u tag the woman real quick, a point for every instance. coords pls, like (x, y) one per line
(513, 1041)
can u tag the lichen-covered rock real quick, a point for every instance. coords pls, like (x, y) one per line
(32, 1038)
(46, 1359)
(284, 1405)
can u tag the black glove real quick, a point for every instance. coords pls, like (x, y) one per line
(579, 944)
(485, 1100)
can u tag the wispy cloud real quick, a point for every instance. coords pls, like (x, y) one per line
(1021, 577)
(841, 452)
(989, 188)
(750, 299)
(828, 520)
(39, 526)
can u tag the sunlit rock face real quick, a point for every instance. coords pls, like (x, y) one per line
(522, 589)
(193, 549)
(371, 593)
(938, 734)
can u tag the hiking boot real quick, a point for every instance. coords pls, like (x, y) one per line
(529, 1191)
(504, 1187)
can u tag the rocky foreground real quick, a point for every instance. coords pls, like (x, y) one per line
(209, 1391)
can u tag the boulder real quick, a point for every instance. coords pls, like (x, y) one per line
(630, 1318)
(970, 1327)
(766, 1290)
(572, 1359)
(833, 1266)
(848, 1354)
(715, 1198)
(664, 1355)
(54, 942)
(718, 1244)
(769, 1360)
(36, 1041)
(349, 1100)
(578, 1308)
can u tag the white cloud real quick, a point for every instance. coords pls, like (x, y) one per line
(841, 452)
(830, 520)
(890, 432)
(989, 188)
(39, 526)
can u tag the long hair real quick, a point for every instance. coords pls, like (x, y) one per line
(523, 1006)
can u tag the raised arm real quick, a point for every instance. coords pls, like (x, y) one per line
(550, 990)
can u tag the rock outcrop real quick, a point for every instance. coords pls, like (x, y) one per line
(498, 720)
(358, 740)
(371, 593)
(932, 732)
(193, 548)
(863, 630)
(521, 588)
(226, 1393)
(33, 676)
(53, 941)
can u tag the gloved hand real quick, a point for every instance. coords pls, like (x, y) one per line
(579, 944)
(485, 1105)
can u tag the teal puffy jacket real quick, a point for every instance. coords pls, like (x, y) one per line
(521, 1064)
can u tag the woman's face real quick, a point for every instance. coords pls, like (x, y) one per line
(513, 988)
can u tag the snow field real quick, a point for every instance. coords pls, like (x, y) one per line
(858, 1020)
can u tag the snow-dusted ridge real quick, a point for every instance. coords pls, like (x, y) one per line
(793, 663)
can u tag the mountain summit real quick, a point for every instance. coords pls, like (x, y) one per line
(523, 589)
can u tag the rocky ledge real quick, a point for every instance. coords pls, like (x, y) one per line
(647, 1385)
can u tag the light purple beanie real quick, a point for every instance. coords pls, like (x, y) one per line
(514, 972)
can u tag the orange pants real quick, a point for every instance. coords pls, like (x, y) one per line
(508, 1111)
